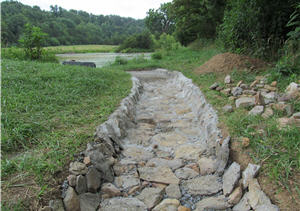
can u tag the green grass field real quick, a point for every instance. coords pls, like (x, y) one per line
(82, 49)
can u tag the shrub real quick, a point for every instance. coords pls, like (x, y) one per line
(120, 61)
(139, 41)
(167, 42)
(156, 55)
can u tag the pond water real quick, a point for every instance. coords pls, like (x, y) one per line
(100, 59)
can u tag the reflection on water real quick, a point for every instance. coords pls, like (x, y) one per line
(100, 59)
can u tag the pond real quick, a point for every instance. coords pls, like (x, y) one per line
(100, 59)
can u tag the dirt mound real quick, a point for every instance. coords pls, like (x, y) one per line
(227, 62)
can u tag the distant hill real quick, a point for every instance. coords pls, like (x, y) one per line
(65, 27)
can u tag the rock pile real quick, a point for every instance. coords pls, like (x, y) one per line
(161, 150)
(262, 98)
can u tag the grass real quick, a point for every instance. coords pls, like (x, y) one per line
(50, 112)
(82, 49)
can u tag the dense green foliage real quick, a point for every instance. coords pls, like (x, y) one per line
(161, 20)
(197, 19)
(65, 27)
(138, 42)
(256, 27)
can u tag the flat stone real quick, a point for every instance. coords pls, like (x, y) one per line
(292, 88)
(127, 181)
(71, 200)
(271, 88)
(203, 185)
(231, 178)
(137, 154)
(269, 207)
(72, 180)
(256, 196)
(161, 174)
(236, 195)
(236, 91)
(227, 79)
(81, 184)
(249, 92)
(78, 168)
(269, 97)
(226, 91)
(120, 204)
(259, 99)
(56, 205)
(222, 152)
(245, 102)
(214, 86)
(268, 113)
(186, 173)
(173, 164)
(189, 152)
(151, 196)
(167, 205)
(93, 180)
(257, 110)
(110, 190)
(228, 108)
(173, 191)
(120, 169)
(89, 201)
(207, 165)
(249, 173)
(243, 205)
(215, 203)
(169, 139)
(183, 208)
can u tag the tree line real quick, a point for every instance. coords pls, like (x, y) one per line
(65, 27)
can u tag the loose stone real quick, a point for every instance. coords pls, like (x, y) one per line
(207, 165)
(236, 195)
(168, 205)
(56, 205)
(228, 108)
(161, 174)
(256, 196)
(186, 173)
(151, 196)
(243, 205)
(93, 180)
(81, 184)
(203, 185)
(245, 102)
(249, 173)
(230, 178)
(127, 181)
(257, 110)
(78, 168)
(71, 200)
(110, 190)
(72, 180)
(216, 203)
(89, 201)
(173, 191)
(227, 79)
(236, 91)
(117, 204)
(173, 164)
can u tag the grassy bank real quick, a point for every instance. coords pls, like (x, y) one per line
(82, 49)
(49, 113)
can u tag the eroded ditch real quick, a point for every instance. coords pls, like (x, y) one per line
(161, 150)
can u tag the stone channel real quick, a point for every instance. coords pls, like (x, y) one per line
(161, 150)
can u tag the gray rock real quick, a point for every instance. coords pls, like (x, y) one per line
(249, 92)
(257, 110)
(268, 113)
(249, 173)
(244, 86)
(245, 102)
(236, 195)
(93, 180)
(215, 203)
(227, 79)
(186, 173)
(214, 86)
(269, 97)
(56, 205)
(267, 208)
(127, 181)
(138, 154)
(222, 153)
(161, 174)
(226, 91)
(207, 165)
(256, 196)
(46, 208)
(296, 115)
(81, 184)
(151, 196)
(89, 201)
(72, 180)
(122, 204)
(78, 168)
(236, 91)
(243, 205)
(289, 109)
(203, 185)
(167, 205)
(173, 191)
(173, 164)
(110, 190)
(71, 200)
(228, 108)
(231, 178)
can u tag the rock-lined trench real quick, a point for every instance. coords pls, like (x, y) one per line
(161, 150)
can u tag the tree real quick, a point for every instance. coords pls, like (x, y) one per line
(161, 20)
(32, 41)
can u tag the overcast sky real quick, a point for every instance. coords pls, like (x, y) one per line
(126, 8)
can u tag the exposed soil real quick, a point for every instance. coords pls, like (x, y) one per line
(227, 62)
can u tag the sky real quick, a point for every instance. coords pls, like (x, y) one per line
(126, 8)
